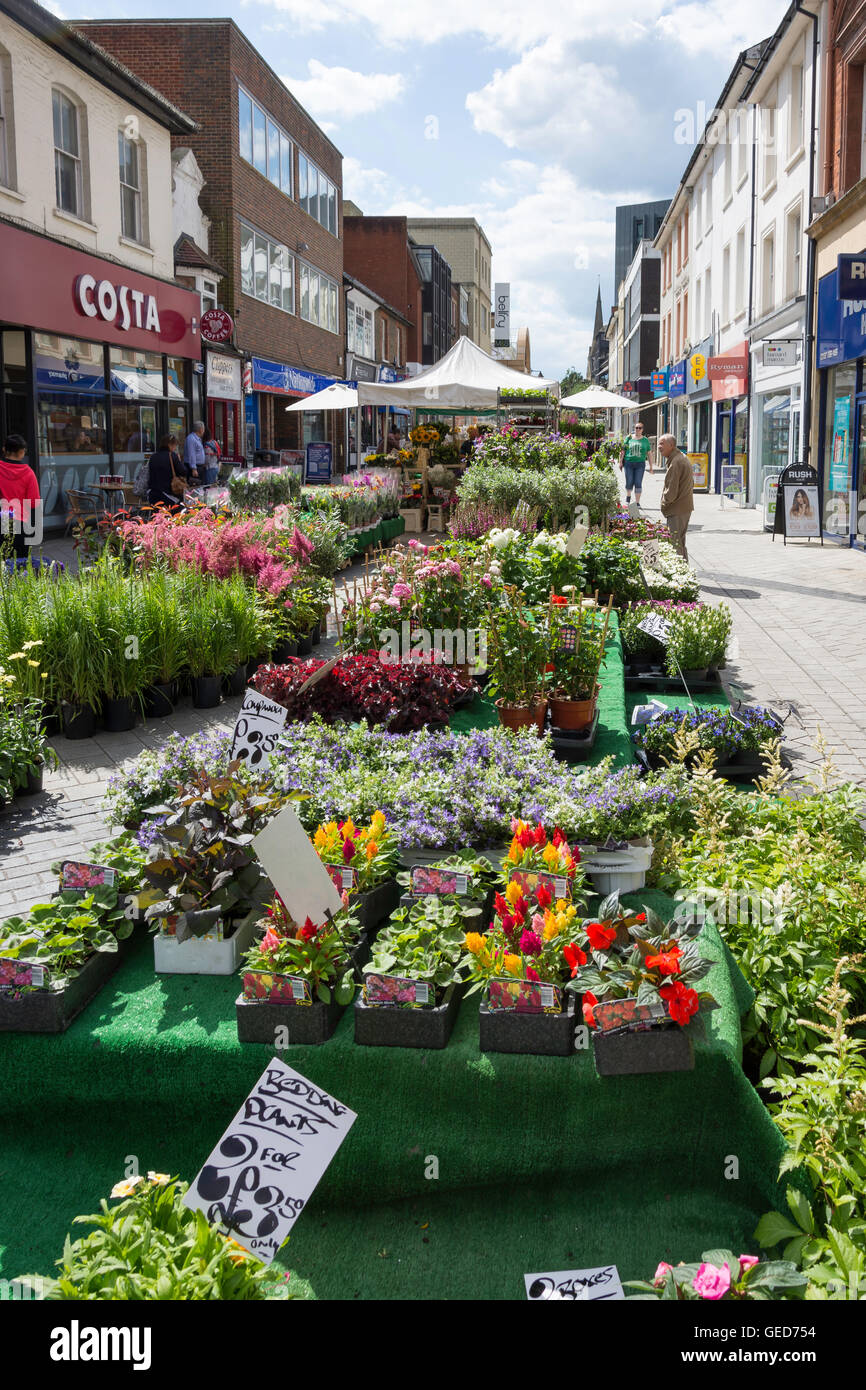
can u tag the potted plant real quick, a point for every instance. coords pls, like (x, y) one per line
(516, 654)
(70, 653)
(719, 1276)
(578, 635)
(640, 1002)
(212, 887)
(412, 985)
(165, 641)
(24, 746)
(211, 651)
(698, 641)
(362, 861)
(298, 978)
(117, 611)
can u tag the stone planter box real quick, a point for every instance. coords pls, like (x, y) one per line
(52, 1011)
(544, 1035)
(199, 956)
(429, 1027)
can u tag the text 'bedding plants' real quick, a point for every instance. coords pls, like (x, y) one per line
(402, 696)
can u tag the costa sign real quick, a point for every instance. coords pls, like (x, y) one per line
(217, 326)
(117, 304)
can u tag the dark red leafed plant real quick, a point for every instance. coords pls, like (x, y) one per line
(403, 696)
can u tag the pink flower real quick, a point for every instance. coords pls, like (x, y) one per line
(530, 943)
(270, 941)
(393, 602)
(661, 1274)
(401, 591)
(486, 581)
(538, 923)
(746, 1262)
(711, 1282)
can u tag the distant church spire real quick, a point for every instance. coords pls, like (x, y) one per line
(599, 320)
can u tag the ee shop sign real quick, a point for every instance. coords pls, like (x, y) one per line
(118, 304)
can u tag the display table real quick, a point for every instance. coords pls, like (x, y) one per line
(541, 1163)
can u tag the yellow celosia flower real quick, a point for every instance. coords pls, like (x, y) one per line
(126, 1186)
(320, 839)
(474, 942)
(514, 854)
(348, 829)
(513, 891)
(550, 855)
(551, 926)
(513, 965)
(377, 822)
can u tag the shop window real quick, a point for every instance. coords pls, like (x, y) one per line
(135, 373)
(318, 299)
(7, 131)
(267, 270)
(768, 273)
(794, 245)
(838, 447)
(68, 169)
(131, 159)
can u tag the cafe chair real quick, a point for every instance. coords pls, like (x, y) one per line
(83, 507)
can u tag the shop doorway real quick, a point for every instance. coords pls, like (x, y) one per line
(732, 432)
(858, 522)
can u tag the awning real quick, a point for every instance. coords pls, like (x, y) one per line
(335, 397)
(466, 379)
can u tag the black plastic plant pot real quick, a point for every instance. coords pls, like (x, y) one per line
(637, 1053)
(373, 906)
(316, 634)
(305, 644)
(573, 745)
(696, 675)
(236, 682)
(52, 1011)
(311, 1024)
(78, 721)
(284, 650)
(33, 785)
(158, 701)
(51, 721)
(542, 1035)
(206, 691)
(119, 715)
(400, 1027)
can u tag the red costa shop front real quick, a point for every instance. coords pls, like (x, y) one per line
(98, 362)
(729, 382)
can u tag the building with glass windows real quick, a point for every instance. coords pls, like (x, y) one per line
(273, 194)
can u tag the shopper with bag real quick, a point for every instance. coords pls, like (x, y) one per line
(168, 475)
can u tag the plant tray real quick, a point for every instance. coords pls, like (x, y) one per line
(258, 1020)
(50, 1011)
(572, 745)
(542, 1035)
(373, 906)
(194, 957)
(400, 1027)
(636, 1053)
(656, 678)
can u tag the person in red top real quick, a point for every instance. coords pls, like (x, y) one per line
(18, 486)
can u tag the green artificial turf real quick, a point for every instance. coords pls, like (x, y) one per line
(541, 1162)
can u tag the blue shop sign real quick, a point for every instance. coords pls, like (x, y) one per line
(677, 379)
(287, 381)
(852, 275)
(841, 324)
(659, 382)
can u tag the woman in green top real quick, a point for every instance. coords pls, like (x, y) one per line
(633, 459)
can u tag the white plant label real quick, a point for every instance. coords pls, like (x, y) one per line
(287, 855)
(260, 1176)
(585, 1285)
(656, 627)
(257, 728)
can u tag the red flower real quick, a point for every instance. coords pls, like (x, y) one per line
(501, 905)
(558, 838)
(589, 1003)
(532, 974)
(543, 895)
(521, 907)
(524, 838)
(682, 1002)
(348, 851)
(641, 917)
(600, 938)
(530, 943)
(540, 836)
(575, 957)
(558, 600)
(308, 930)
(666, 962)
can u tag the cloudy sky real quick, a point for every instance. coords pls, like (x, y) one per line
(536, 118)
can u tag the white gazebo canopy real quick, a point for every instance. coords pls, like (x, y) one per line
(597, 398)
(466, 378)
(337, 396)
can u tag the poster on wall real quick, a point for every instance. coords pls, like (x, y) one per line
(798, 503)
(319, 461)
(700, 470)
(839, 471)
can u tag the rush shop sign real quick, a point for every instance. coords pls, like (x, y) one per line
(59, 289)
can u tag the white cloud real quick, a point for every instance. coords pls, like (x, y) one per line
(340, 92)
(369, 188)
(697, 25)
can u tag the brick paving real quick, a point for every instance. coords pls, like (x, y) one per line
(800, 630)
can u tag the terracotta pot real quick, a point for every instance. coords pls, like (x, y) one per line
(522, 716)
(573, 714)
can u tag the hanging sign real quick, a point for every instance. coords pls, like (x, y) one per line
(267, 1164)
(780, 353)
(216, 325)
(585, 1285)
(502, 314)
(798, 503)
(851, 272)
(257, 728)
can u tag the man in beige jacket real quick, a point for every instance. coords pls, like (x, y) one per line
(677, 504)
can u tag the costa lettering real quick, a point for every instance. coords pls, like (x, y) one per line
(117, 304)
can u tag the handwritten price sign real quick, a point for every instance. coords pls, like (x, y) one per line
(266, 1166)
(656, 627)
(584, 1285)
(259, 725)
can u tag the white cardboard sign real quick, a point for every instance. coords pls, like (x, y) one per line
(576, 540)
(261, 1174)
(258, 726)
(287, 856)
(656, 627)
(584, 1285)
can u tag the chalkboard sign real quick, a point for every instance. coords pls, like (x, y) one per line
(319, 462)
(798, 503)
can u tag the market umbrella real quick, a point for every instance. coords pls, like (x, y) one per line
(337, 396)
(596, 398)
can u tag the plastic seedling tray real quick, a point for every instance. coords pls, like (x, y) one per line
(197, 957)
(544, 1035)
(52, 1011)
(402, 1027)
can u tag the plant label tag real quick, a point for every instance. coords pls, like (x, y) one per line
(16, 975)
(644, 714)
(82, 878)
(567, 635)
(257, 728)
(276, 988)
(262, 1172)
(390, 991)
(344, 880)
(656, 627)
(628, 1016)
(287, 855)
(429, 882)
(504, 993)
(586, 1285)
(576, 540)
(531, 882)
(318, 675)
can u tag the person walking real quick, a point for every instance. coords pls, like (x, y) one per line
(193, 450)
(166, 469)
(633, 459)
(212, 457)
(20, 499)
(677, 502)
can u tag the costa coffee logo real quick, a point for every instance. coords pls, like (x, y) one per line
(116, 304)
(217, 326)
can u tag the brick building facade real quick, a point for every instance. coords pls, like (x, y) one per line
(261, 155)
(377, 252)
